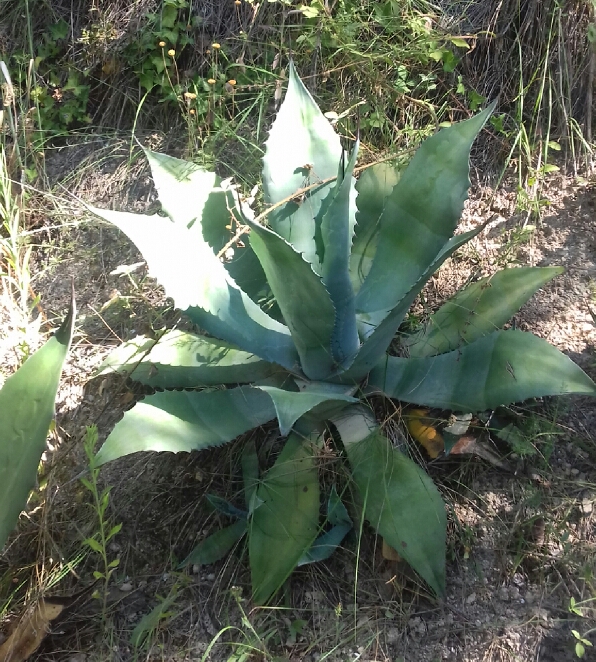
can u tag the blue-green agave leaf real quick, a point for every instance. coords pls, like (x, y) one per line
(420, 215)
(217, 545)
(302, 149)
(400, 500)
(182, 261)
(380, 331)
(250, 473)
(478, 310)
(26, 411)
(286, 523)
(374, 187)
(185, 360)
(336, 240)
(497, 369)
(178, 421)
(302, 298)
(291, 405)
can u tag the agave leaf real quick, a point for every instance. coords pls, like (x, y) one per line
(291, 405)
(26, 411)
(302, 149)
(302, 298)
(225, 507)
(185, 360)
(380, 331)
(374, 187)
(478, 309)
(182, 261)
(250, 473)
(285, 525)
(336, 240)
(497, 369)
(178, 421)
(400, 500)
(420, 215)
(217, 545)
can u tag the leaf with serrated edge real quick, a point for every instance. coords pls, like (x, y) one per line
(178, 421)
(185, 360)
(498, 369)
(291, 405)
(285, 525)
(335, 272)
(420, 214)
(182, 261)
(400, 500)
(479, 309)
(26, 411)
(302, 298)
(302, 148)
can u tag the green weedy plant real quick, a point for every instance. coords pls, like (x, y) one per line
(306, 312)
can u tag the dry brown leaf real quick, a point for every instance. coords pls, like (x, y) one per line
(389, 553)
(424, 433)
(468, 445)
(31, 629)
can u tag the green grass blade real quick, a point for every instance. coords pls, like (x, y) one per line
(291, 405)
(420, 214)
(285, 525)
(182, 261)
(185, 360)
(497, 369)
(26, 411)
(178, 421)
(305, 304)
(302, 148)
(336, 240)
(478, 310)
(400, 500)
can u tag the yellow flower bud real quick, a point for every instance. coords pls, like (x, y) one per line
(211, 81)
(231, 82)
(192, 111)
(171, 52)
(216, 46)
(162, 44)
(190, 95)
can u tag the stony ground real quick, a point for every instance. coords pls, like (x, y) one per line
(521, 537)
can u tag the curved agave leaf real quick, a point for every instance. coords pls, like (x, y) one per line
(379, 333)
(374, 186)
(478, 309)
(26, 411)
(286, 522)
(336, 240)
(420, 215)
(178, 421)
(185, 360)
(217, 545)
(250, 473)
(302, 149)
(189, 193)
(302, 298)
(182, 261)
(291, 405)
(400, 500)
(497, 369)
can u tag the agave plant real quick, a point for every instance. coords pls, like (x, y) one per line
(299, 323)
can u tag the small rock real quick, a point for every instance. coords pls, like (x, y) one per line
(575, 472)
(513, 593)
(392, 635)
(211, 577)
(530, 598)
(471, 599)
(587, 506)
(114, 547)
(196, 569)
(126, 587)
(503, 593)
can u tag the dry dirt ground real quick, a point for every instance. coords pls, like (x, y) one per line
(521, 533)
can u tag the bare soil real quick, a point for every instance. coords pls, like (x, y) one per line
(521, 535)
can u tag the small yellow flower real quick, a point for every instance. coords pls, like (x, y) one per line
(231, 82)
(192, 111)
(171, 52)
(208, 51)
(190, 95)
(237, 2)
(162, 44)
(216, 46)
(211, 81)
